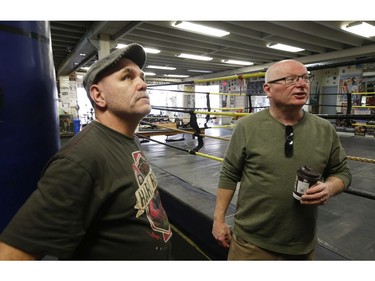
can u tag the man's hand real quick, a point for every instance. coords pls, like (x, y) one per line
(318, 194)
(222, 233)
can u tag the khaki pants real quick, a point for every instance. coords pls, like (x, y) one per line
(242, 250)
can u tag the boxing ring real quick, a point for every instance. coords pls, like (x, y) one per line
(188, 172)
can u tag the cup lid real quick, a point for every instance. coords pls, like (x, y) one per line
(309, 172)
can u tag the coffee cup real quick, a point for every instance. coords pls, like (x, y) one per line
(305, 178)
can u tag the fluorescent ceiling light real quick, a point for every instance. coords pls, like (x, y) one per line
(199, 71)
(368, 73)
(176, 75)
(161, 67)
(239, 62)
(147, 50)
(152, 51)
(360, 28)
(315, 64)
(194, 57)
(150, 74)
(284, 47)
(120, 46)
(198, 28)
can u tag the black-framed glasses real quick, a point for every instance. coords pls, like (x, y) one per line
(293, 79)
(289, 134)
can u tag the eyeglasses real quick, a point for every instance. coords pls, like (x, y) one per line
(288, 148)
(293, 79)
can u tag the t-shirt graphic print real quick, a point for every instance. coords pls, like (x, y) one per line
(148, 197)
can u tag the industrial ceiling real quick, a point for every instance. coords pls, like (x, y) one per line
(325, 44)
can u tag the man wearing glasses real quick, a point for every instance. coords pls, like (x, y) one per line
(265, 152)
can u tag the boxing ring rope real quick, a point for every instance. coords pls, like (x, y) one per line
(224, 78)
(353, 158)
(242, 114)
(236, 114)
(361, 159)
(223, 126)
(184, 131)
(233, 114)
(228, 108)
(190, 151)
(201, 93)
(233, 77)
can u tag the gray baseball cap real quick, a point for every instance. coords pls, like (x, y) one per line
(134, 52)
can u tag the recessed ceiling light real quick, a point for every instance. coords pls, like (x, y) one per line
(195, 57)
(239, 62)
(284, 47)
(198, 28)
(161, 67)
(360, 28)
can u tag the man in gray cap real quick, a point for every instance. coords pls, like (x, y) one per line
(97, 198)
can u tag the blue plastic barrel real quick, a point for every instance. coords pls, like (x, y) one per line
(77, 125)
(29, 131)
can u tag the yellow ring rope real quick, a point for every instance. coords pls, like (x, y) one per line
(353, 158)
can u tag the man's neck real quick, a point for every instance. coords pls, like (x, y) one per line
(287, 117)
(121, 125)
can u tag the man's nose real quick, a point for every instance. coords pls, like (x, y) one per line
(142, 84)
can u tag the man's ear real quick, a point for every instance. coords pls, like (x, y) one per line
(266, 89)
(97, 96)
